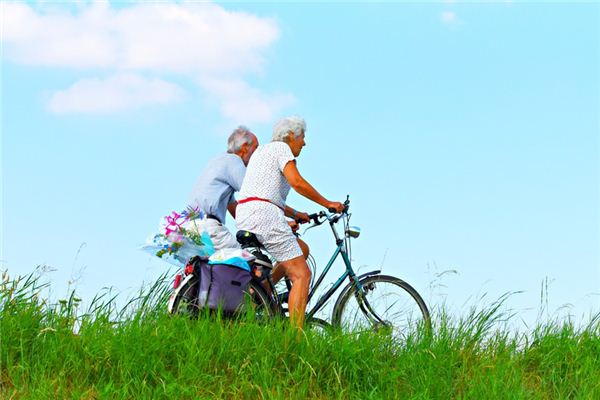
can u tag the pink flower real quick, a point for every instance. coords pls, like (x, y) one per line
(175, 237)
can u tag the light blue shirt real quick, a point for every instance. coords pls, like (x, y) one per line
(215, 187)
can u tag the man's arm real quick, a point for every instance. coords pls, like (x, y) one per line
(231, 205)
(236, 172)
(231, 208)
(235, 179)
(296, 215)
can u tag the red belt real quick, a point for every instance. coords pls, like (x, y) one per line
(247, 199)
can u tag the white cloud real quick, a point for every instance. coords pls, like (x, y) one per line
(58, 39)
(244, 104)
(448, 17)
(198, 41)
(116, 93)
(186, 37)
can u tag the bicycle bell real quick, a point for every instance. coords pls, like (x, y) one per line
(353, 231)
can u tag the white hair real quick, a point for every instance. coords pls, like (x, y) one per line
(240, 136)
(284, 126)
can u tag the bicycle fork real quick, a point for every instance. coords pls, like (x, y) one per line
(361, 295)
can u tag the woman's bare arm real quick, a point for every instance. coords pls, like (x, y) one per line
(301, 185)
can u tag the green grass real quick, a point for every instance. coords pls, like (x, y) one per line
(140, 352)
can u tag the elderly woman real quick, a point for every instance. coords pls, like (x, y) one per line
(262, 210)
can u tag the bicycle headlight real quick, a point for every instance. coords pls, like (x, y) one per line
(353, 231)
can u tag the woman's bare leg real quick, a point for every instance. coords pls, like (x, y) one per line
(304, 247)
(278, 273)
(297, 270)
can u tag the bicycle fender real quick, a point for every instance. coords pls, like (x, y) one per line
(349, 286)
(176, 292)
(376, 272)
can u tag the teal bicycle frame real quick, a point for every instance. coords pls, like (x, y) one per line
(341, 249)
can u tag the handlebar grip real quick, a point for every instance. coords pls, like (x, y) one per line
(332, 210)
(314, 217)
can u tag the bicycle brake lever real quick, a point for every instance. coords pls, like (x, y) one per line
(310, 227)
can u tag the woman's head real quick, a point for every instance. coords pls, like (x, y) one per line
(291, 131)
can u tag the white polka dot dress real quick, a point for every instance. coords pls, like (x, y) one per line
(264, 179)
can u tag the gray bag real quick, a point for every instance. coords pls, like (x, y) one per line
(222, 286)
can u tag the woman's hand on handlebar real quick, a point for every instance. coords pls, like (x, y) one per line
(335, 207)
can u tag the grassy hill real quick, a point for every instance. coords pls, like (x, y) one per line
(139, 352)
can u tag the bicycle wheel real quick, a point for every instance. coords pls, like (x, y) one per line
(257, 305)
(318, 325)
(386, 302)
(185, 301)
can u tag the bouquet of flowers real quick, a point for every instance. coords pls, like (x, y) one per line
(179, 238)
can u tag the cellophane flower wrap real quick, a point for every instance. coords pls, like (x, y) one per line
(179, 238)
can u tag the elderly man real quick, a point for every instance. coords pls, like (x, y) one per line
(214, 189)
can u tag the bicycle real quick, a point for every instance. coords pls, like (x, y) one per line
(369, 300)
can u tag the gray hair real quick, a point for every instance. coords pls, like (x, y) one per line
(282, 128)
(240, 136)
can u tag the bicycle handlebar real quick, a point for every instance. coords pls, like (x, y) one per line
(315, 216)
(333, 217)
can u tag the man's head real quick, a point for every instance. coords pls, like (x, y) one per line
(291, 131)
(243, 143)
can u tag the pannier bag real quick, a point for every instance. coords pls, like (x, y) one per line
(223, 282)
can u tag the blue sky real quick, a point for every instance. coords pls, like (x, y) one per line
(467, 135)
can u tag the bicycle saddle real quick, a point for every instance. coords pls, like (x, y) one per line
(248, 239)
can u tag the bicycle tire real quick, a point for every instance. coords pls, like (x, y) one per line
(406, 313)
(318, 325)
(186, 299)
(257, 304)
